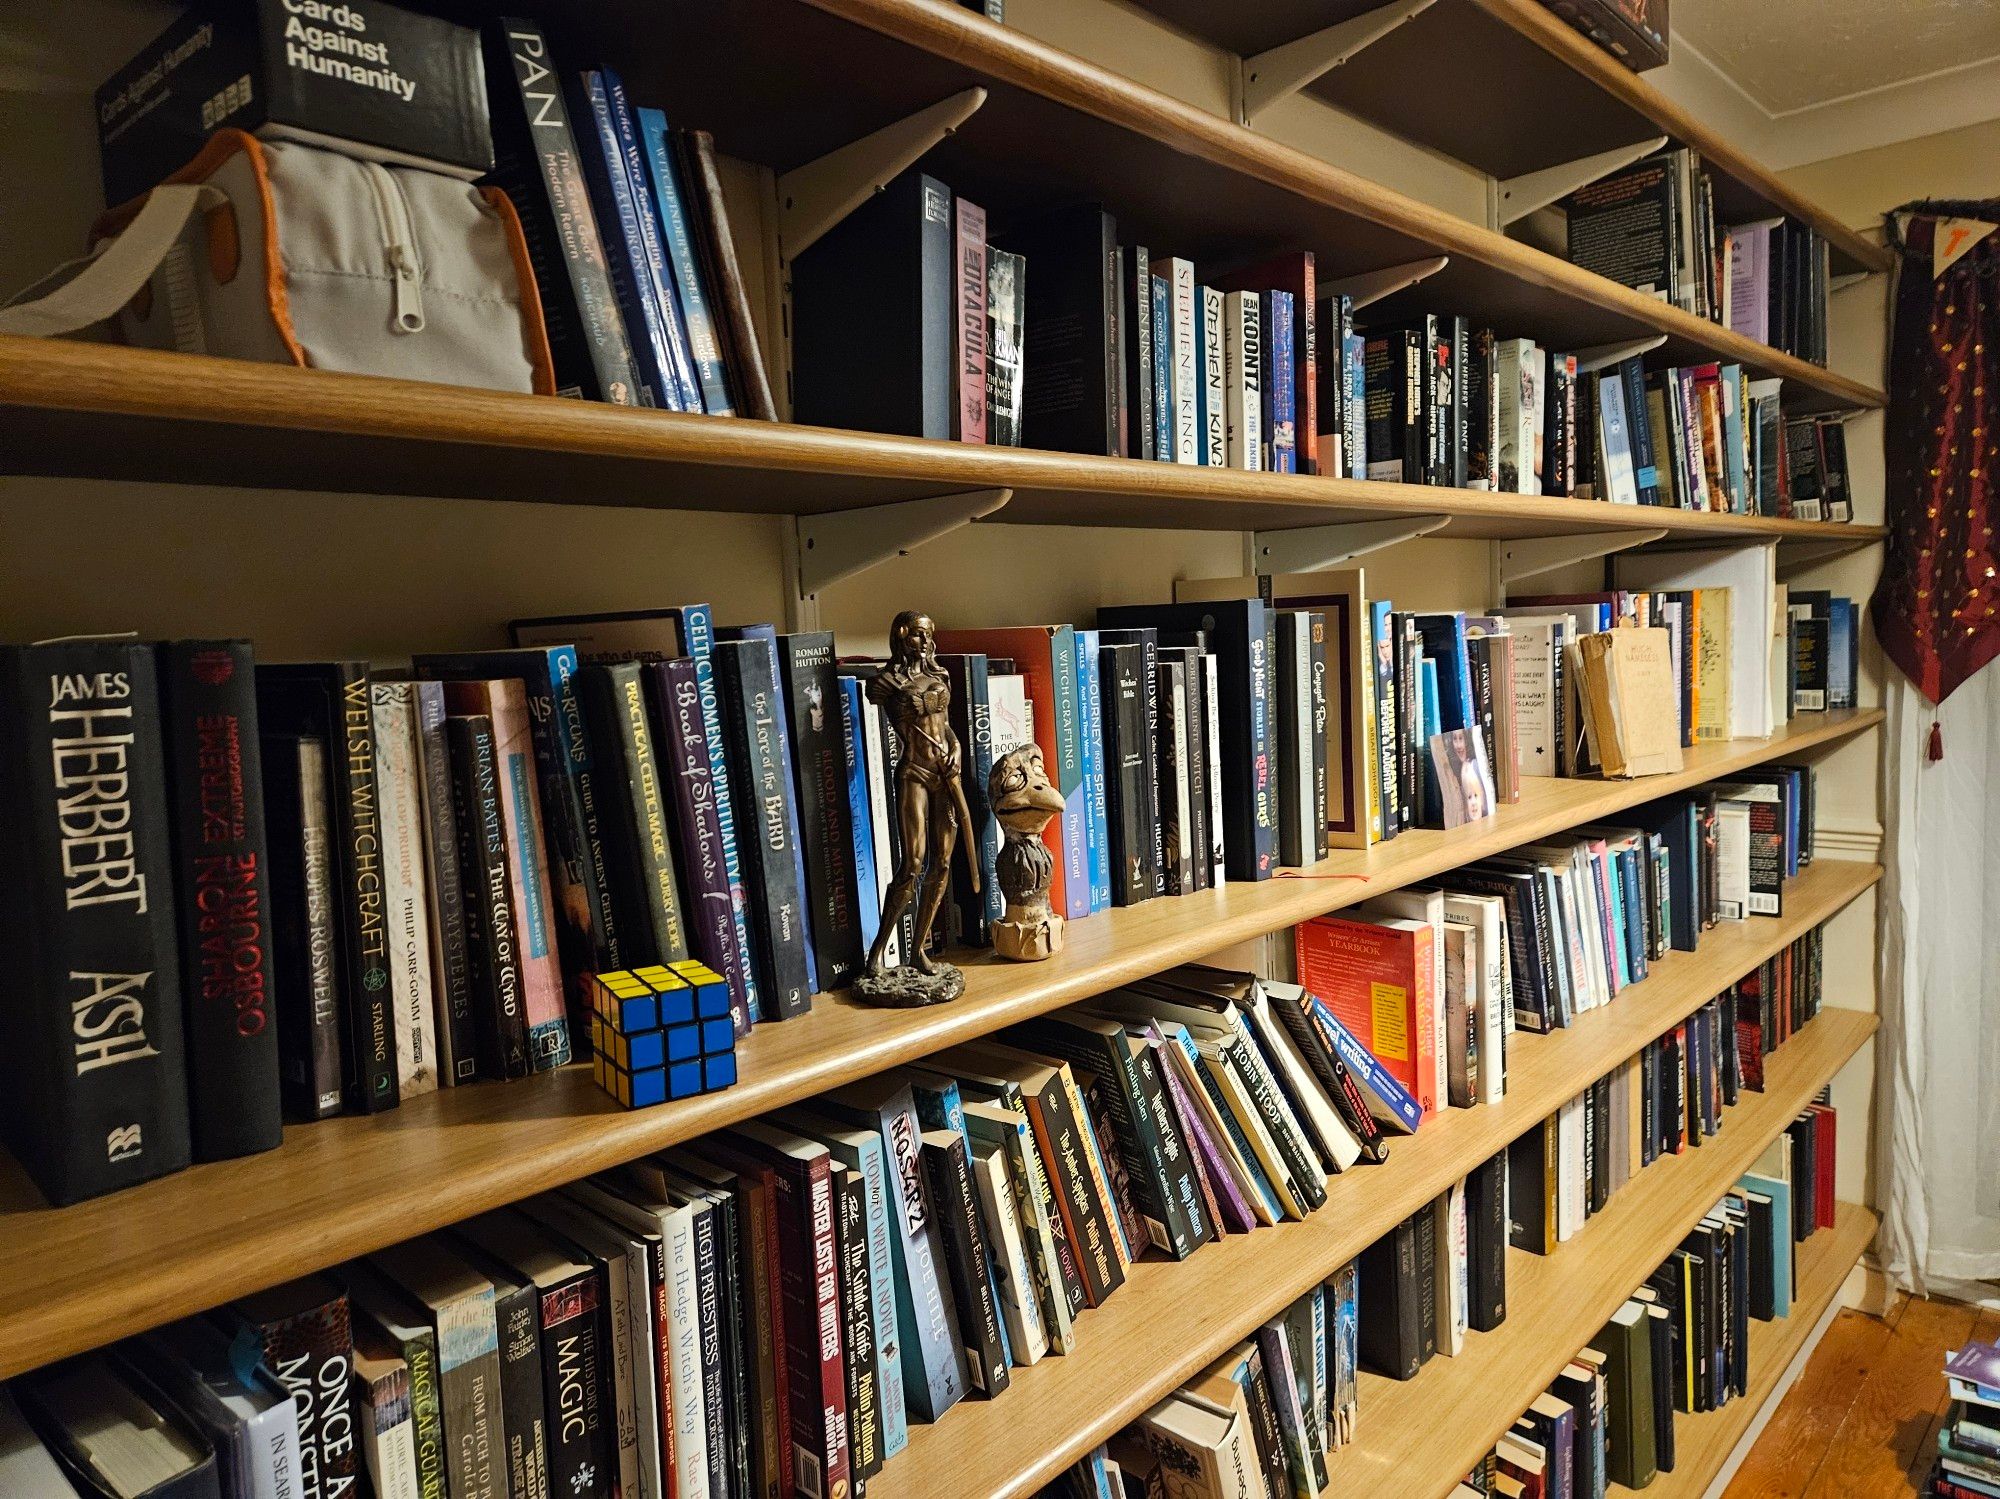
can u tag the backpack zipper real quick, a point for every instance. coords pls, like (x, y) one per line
(399, 249)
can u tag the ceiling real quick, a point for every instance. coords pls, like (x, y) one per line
(1795, 55)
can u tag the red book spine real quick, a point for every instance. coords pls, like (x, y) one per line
(816, 1372)
(971, 341)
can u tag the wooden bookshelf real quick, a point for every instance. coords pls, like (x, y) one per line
(1496, 75)
(72, 1278)
(1421, 1435)
(83, 410)
(1703, 1443)
(781, 83)
(1170, 1321)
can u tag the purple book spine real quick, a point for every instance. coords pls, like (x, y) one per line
(1229, 1197)
(676, 700)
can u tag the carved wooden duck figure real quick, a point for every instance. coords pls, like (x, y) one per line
(1023, 801)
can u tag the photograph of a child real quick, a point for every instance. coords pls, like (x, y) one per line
(1465, 778)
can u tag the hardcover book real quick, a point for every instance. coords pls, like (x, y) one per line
(492, 942)
(302, 1332)
(311, 1034)
(819, 779)
(450, 955)
(1070, 401)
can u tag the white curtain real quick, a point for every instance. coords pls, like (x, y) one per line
(1938, 1057)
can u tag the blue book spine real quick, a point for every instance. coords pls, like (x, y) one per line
(1353, 368)
(697, 627)
(1163, 369)
(858, 813)
(1840, 653)
(888, 1344)
(1733, 439)
(1284, 385)
(1645, 463)
(1614, 883)
(1098, 829)
(1259, 1182)
(934, 1377)
(680, 359)
(1369, 1072)
(769, 635)
(618, 221)
(1069, 759)
(703, 345)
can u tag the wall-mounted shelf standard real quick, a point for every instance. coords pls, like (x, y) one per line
(1508, 88)
(73, 1278)
(98, 411)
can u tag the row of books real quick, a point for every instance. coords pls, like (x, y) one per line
(1968, 1461)
(1259, 1423)
(1653, 227)
(1680, 1344)
(769, 1308)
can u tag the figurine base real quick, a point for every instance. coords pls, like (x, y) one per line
(1028, 939)
(908, 988)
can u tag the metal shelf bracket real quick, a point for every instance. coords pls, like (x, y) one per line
(1282, 71)
(841, 543)
(814, 197)
(1313, 547)
(1603, 356)
(1370, 287)
(1540, 554)
(1514, 198)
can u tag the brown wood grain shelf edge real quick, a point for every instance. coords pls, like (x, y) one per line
(1171, 1320)
(1008, 55)
(1576, 51)
(72, 1278)
(1555, 1302)
(98, 384)
(1703, 1443)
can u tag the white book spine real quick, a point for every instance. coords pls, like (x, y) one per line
(1212, 671)
(622, 1360)
(1187, 433)
(273, 1453)
(645, 1370)
(1535, 397)
(1215, 428)
(1027, 1335)
(406, 905)
(1454, 1292)
(1242, 358)
(391, 1455)
(684, 1336)
(433, 765)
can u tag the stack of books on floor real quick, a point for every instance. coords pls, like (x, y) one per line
(1968, 1464)
(1653, 227)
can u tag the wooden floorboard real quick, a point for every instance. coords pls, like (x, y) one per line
(1862, 1420)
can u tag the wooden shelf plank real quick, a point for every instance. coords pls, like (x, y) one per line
(1428, 1432)
(1509, 68)
(1179, 177)
(96, 410)
(73, 1278)
(1702, 1443)
(1171, 1320)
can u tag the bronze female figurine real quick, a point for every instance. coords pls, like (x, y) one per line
(931, 813)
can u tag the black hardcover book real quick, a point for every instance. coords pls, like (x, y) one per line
(1264, 1429)
(1486, 1239)
(535, 164)
(857, 1324)
(523, 1414)
(737, 1323)
(1390, 1323)
(1599, 1099)
(1424, 1221)
(1334, 1079)
(492, 945)
(972, 722)
(1071, 403)
(766, 823)
(1127, 765)
(632, 815)
(1665, 1348)
(957, 1205)
(826, 824)
(1531, 1199)
(306, 953)
(886, 272)
(1156, 790)
(222, 896)
(328, 700)
(1395, 390)
(1294, 704)
(1135, 294)
(1559, 426)
(1234, 629)
(1454, 373)
(99, 1100)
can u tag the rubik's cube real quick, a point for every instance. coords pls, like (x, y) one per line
(661, 1032)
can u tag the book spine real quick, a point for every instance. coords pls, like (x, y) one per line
(766, 828)
(405, 899)
(523, 1418)
(1214, 386)
(618, 221)
(1059, 1138)
(1123, 715)
(703, 342)
(222, 872)
(451, 969)
(989, 904)
(1263, 798)
(537, 165)
(311, 1355)
(675, 699)
(698, 641)
(744, 355)
(687, 1436)
(818, 774)
(812, 1328)
(708, 1307)
(357, 833)
(1217, 816)
(858, 1326)
(1069, 771)
(579, 1441)
(101, 1102)
(861, 817)
(1136, 294)
(1175, 820)
(952, 1194)
(1187, 435)
(1158, 310)
(535, 916)
(658, 277)
(426, 1414)
(1316, 684)
(1091, 718)
(1284, 390)
(971, 320)
(1292, 830)
(309, 1033)
(633, 815)
(492, 945)
(1242, 362)
(1305, 363)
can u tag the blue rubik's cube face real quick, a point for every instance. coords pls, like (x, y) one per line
(661, 1032)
